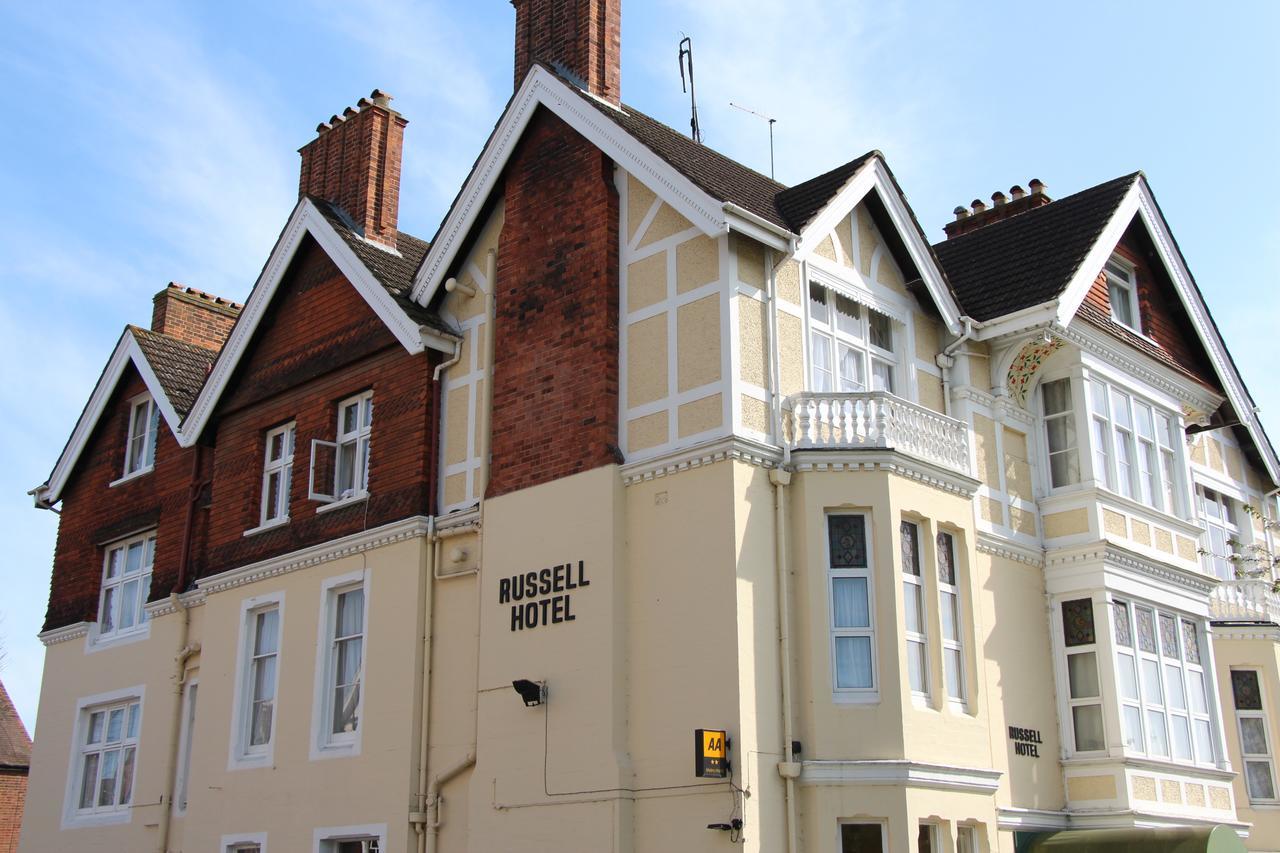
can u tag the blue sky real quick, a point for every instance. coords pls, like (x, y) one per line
(148, 142)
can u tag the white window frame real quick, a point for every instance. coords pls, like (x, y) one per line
(913, 589)
(852, 694)
(1226, 524)
(245, 755)
(935, 835)
(967, 838)
(960, 694)
(827, 337)
(1067, 416)
(324, 742)
(72, 815)
(186, 735)
(1247, 758)
(359, 440)
(116, 584)
(1073, 702)
(140, 450)
(1179, 682)
(275, 513)
(1127, 281)
(326, 839)
(243, 842)
(883, 825)
(1155, 473)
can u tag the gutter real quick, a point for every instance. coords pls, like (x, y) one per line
(947, 358)
(787, 241)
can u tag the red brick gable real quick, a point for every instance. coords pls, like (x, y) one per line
(556, 370)
(95, 513)
(318, 343)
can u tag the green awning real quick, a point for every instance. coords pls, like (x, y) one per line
(1200, 839)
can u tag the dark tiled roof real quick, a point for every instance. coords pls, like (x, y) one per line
(15, 746)
(181, 367)
(393, 270)
(799, 204)
(1030, 258)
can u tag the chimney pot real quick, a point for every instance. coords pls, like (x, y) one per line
(348, 112)
(363, 103)
(961, 212)
(1017, 192)
(322, 127)
(335, 120)
(1036, 185)
(978, 206)
(998, 198)
(380, 98)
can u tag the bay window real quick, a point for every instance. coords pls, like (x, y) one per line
(1084, 687)
(914, 612)
(1060, 433)
(1135, 448)
(852, 596)
(851, 347)
(1255, 744)
(126, 585)
(1222, 532)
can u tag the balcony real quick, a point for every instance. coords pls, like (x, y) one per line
(1248, 600)
(875, 420)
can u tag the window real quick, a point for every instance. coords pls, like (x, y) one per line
(966, 839)
(1217, 511)
(914, 615)
(1134, 448)
(1060, 433)
(108, 755)
(341, 665)
(126, 584)
(257, 677)
(927, 838)
(344, 462)
(1164, 706)
(244, 842)
(1123, 290)
(852, 626)
(949, 605)
(350, 839)
(277, 473)
(1255, 745)
(1084, 691)
(187, 737)
(848, 341)
(861, 838)
(144, 422)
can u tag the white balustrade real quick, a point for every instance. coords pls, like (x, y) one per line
(1245, 600)
(875, 419)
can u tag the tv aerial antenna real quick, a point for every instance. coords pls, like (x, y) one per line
(685, 57)
(772, 122)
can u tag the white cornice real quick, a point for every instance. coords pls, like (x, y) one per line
(1011, 817)
(707, 453)
(66, 632)
(888, 461)
(163, 607)
(356, 543)
(1111, 555)
(988, 543)
(1232, 630)
(542, 88)
(910, 774)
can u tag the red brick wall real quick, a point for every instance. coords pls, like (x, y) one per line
(317, 345)
(556, 371)
(13, 795)
(94, 513)
(582, 36)
(195, 317)
(1163, 318)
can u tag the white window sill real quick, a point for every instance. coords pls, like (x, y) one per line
(856, 698)
(263, 528)
(339, 749)
(84, 821)
(96, 643)
(130, 477)
(250, 760)
(338, 504)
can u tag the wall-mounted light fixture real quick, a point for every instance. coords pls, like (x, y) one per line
(532, 692)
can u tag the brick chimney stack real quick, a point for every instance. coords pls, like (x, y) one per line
(354, 163)
(193, 316)
(1002, 207)
(579, 38)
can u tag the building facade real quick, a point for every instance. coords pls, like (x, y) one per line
(455, 545)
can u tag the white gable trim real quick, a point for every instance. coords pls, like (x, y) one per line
(875, 175)
(541, 87)
(127, 351)
(1140, 201)
(305, 219)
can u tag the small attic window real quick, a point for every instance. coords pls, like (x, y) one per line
(1122, 287)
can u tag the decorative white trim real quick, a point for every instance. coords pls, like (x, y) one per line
(910, 774)
(706, 453)
(356, 543)
(1164, 574)
(1230, 630)
(1014, 818)
(1089, 268)
(305, 219)
(887, 461)
(125, 353)
(542, 88)
(61, 635)
(997, 546)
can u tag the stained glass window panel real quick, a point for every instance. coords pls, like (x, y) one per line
(1077, 622)
(847, 535)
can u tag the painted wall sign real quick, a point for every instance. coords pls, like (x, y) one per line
(542, 596)
(1025, 741)
(710, 753)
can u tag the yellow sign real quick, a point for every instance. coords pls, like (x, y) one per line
(711, 753)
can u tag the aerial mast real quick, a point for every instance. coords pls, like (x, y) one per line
(686, 56)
